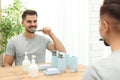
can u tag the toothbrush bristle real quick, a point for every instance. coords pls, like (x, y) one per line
(33, 29)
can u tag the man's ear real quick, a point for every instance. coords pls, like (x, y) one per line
(105, 26)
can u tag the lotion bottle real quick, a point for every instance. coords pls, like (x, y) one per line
(25, 63)
(33, 69)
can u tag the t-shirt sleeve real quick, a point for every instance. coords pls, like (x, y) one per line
(91, 74)
(48, 43)
(10, 50)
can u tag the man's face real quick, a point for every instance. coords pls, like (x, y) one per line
(30, 22)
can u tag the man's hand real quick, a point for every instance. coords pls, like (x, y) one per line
(47, 31)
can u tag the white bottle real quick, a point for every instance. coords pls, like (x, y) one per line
(25, 63)
(33, 69)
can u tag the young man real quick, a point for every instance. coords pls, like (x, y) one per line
(31, 42)
(109, 68)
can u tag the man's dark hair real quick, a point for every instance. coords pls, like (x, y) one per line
(28, 12)
(111, 2)
(112, 10)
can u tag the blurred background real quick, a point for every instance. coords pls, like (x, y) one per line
(75, 23)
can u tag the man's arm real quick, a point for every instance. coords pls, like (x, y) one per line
(57, 45)
(8, 60)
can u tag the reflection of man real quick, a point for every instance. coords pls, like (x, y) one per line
(31, 42)
(109, 68)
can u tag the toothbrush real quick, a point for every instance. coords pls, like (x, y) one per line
(33, 29)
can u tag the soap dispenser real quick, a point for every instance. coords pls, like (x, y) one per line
(25, 63)
(61, 65)
(54, 58)
(33, 69)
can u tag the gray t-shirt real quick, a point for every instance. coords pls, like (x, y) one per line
(106, 69)
(36, 46)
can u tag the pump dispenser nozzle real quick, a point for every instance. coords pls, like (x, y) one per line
(26, 57)
(33, 59)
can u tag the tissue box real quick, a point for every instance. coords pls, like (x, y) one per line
(51, 71)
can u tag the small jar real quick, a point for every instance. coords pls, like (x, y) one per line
(67, 60)
(73, 64)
